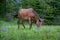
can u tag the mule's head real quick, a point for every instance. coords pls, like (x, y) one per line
(39, 22)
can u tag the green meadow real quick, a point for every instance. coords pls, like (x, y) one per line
(10, 31)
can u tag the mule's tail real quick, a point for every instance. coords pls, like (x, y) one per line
(15, 15)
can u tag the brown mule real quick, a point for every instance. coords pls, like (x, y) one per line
(30, 15)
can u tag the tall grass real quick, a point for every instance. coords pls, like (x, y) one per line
(10, 31)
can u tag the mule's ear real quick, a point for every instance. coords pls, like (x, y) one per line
(42, 19)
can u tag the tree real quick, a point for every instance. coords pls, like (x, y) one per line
(47, 9)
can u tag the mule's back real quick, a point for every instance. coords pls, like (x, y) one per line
(26, 13)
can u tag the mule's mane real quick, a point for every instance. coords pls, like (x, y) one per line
(37, 16)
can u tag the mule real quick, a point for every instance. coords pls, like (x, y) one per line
(30, 15)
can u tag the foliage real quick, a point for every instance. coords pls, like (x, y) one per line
(10, 31)
(47, 9)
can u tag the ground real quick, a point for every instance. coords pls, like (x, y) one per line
(10, 31)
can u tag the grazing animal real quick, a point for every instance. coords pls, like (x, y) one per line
(30, 15)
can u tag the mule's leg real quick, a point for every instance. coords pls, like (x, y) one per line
(23, 23)
(30, 22)
(18, 23)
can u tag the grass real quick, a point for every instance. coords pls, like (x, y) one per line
(10, 31)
